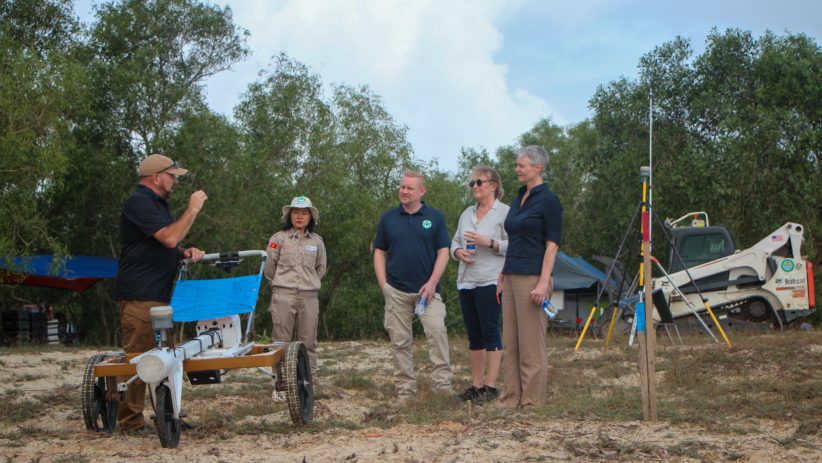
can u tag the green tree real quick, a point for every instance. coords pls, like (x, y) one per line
(39, 80)
(151, 58)
(736, 133)
(145, 62)
(346, 153)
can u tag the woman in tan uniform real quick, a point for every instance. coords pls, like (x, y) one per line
(295, 265)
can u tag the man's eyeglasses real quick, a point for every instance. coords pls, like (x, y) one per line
(478, 182)
(172, 166)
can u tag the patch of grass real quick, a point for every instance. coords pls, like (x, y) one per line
(65, 395)
(706, 387)
(341, 355)
(431, 407)
(381, 416)
(351, 379)
(13, 410)
(255, 408)
(73, 458)
(27, 377)
(38, 349)
(211, 421)
(15, 440)
(689, 448)
(586, 401)
(205, 392)
(261, 427)
(336, 424)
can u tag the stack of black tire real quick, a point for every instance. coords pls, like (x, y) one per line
(16, 326)
(39, 328)
(23, 326)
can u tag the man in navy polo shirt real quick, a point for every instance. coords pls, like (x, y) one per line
(410, 254)
(149, 254)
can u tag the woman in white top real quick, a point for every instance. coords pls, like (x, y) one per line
(479, 245)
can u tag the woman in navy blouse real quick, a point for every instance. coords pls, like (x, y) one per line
(534, 227)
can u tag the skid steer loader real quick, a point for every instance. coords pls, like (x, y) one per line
(768, 282)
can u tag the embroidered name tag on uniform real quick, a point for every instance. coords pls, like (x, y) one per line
(311, 248)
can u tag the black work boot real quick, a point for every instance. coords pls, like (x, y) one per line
(472, 393)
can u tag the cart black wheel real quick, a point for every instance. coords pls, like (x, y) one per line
(168, 427)
(297, 378)
(99, 413)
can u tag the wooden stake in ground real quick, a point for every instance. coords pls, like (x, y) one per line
(646, 332)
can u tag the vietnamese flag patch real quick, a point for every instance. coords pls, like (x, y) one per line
(273, 246)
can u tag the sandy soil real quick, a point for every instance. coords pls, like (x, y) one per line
(51, 380)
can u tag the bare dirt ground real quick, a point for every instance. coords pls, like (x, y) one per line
(593, 412)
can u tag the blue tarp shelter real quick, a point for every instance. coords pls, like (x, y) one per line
(76, 273)
(575, 273)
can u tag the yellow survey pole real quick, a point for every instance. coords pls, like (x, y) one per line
(718, 325)
(585, 328)
(611, 325)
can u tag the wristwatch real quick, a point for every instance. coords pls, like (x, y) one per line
(492, 244)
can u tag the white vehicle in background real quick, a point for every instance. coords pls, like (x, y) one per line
(768, 282)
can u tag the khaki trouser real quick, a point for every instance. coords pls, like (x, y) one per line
(399, 313)
(524, 358)
(290, 305)
(138, 337)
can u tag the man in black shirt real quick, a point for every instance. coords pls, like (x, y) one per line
(150, 251)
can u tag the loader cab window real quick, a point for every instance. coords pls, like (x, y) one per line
(700, 245)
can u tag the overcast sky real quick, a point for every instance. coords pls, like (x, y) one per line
(478, 73)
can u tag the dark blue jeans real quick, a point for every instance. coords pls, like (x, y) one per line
(481, 312)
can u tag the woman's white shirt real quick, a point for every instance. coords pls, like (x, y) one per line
(487, 262)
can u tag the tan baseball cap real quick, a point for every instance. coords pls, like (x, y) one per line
(157, 163)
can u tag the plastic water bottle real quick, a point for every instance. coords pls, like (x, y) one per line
(419, 309)
(549, 309)
(471, 246)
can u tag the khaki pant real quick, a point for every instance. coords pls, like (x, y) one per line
(138, 337)
(524, 358)
(399, 313)
(289, 306)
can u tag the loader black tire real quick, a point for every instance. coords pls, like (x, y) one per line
(759, 310)
(298, 381)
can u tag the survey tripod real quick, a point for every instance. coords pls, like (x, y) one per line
(619, 305)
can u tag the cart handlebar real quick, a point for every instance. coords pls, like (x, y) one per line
(228, 255)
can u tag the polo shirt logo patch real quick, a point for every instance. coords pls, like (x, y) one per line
(426, 224)
(311, 248)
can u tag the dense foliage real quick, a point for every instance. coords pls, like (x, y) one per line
(737, 132)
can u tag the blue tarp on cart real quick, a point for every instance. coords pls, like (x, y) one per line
(195, 300)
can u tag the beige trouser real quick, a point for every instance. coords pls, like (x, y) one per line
(138, 337)
(524, 358)
(290, 305)
(399, 313)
